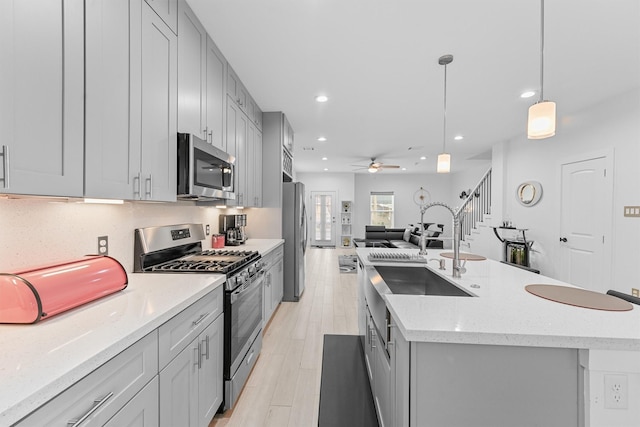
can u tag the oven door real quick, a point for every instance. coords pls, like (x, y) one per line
(243, 321)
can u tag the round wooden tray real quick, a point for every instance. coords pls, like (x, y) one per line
(464, 256)
(579, 297)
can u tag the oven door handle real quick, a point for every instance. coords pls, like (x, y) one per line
(247, 287)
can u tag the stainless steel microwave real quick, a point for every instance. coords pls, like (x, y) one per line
(204, 171)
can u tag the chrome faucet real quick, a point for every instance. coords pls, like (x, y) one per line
(457, 268)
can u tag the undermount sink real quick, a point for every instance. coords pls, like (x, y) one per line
(418, 281)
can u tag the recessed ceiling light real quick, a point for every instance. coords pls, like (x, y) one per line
(322, 98)
(458, 137)
(404, 169)
(423, 158)
(324, 158)
(322, 138)
(527, 94)
(326, 169)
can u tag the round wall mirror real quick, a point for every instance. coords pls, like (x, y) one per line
(529, 193)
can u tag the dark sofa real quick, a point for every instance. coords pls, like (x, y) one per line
(403, 238)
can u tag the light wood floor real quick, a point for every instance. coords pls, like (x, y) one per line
(284, 387)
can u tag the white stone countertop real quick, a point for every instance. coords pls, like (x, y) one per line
(264, 246)
(503, 312)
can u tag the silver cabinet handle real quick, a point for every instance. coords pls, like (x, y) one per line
(198, 361)
(148, 187)
(5, 164)
(136, 185)
(253, 352)
(211, 136)
(96, 405)
(199, 319)
(206, 343)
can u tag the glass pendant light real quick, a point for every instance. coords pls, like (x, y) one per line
(542, 115)
(444, 158)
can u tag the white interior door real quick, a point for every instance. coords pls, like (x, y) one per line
(323, 218)
(586, 224)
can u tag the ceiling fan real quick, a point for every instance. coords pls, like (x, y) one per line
(374, 166)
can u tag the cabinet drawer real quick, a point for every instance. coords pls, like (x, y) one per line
(102, 393)
(178, 332)
(272, 257)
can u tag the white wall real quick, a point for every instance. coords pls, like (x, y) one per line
(404, 186)
(36, 232)
(613, 125)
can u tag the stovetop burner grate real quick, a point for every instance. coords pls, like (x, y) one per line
(211, 261)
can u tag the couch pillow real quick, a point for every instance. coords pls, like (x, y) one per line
(406, 235)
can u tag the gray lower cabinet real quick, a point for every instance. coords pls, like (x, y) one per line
(42, 102)
(191, 358)
(141, 411)
(171, 377)
(273, 283)
(103, 393)
(379, 367)
(131, 105)
(191, 384)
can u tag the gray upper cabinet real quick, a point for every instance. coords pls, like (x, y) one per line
(192, 68)
(41, 107)
(158, 115)
(236, 90)
(201, 81)
(131, 106)
(112, 156)
(167, 10)
(215, 95)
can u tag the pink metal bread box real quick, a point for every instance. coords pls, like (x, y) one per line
(35, 294)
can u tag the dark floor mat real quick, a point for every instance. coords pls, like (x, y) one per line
(345, 393)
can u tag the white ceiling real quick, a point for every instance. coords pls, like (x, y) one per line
(377, 60)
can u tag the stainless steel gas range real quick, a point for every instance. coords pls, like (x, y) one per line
(178, 249)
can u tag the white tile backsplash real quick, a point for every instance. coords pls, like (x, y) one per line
(35, 231)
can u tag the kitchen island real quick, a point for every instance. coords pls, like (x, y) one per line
(501, 356)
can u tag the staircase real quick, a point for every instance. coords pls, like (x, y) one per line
(476, 208)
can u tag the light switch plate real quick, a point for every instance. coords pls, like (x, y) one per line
(632, 211)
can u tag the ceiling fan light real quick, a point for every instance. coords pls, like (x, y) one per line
(372, 169)
(444, 163)
(542, 120)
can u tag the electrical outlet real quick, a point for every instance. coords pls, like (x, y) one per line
(635, 292)
(207, 229)
(632, 211)
(616, 390)
(103, 245)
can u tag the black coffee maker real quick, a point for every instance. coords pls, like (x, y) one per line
(233, 228)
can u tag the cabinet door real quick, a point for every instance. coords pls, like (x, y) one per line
(167, 10)
(370, 343)
(215, 95)
(235, 89)
(112, 152)
(179, 389)
(159, 109)
(249, 160)
(382, 385)
(141, 411)
(192, 68)
(210, 380)
(399, 357)
(267, 298)
(42, 102)
(236, 146)
(257, 168)
(277, 282)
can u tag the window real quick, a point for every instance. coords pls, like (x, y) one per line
(381, 208)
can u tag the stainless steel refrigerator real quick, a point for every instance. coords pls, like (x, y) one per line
(294, 233)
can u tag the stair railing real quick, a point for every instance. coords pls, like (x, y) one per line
(476, 205)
